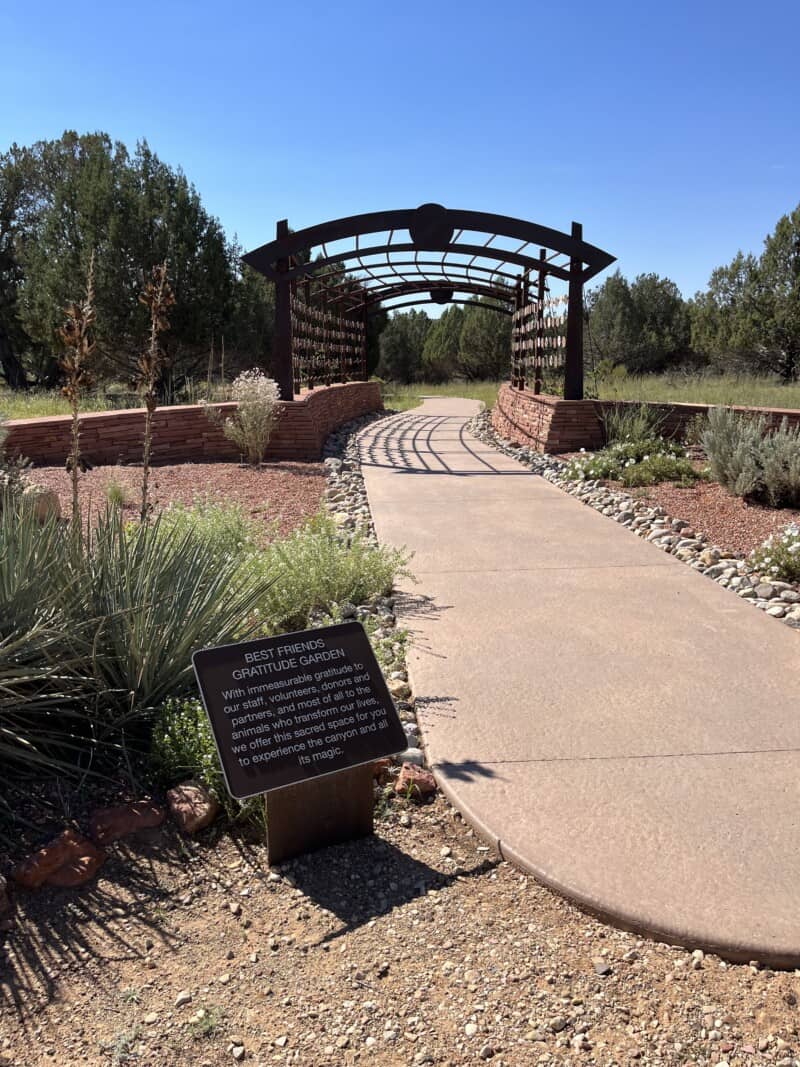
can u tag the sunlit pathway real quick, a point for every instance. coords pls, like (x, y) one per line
(621, 726)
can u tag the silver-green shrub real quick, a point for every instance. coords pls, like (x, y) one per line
(750, 460)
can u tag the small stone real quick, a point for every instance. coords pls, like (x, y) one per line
(183, 998)
(236, 908)
(415, 756)
(281, 1041)
(192, 806)
(150, 1018)
(470, 1029)
(601, 966)
(399, 689)
(445, 852)
(224, 979)
(414, 781)
(238, 1052)
(405, 820)
(557, 1024)
(486, 1052)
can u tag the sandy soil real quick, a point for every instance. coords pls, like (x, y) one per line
(415, 946)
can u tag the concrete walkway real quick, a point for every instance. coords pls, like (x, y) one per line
(618, 725)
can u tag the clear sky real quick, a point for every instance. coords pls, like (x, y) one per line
(670, 130)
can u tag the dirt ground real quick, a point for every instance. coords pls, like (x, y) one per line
(284, 492)
(415, 946)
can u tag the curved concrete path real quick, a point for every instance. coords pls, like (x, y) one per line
(618, 725)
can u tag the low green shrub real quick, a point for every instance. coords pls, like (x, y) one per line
(660, 468)
(779, 556)
(317, 570)
(635, 463)
(183, 747)
(750, 460)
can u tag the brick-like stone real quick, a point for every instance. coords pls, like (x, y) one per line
(186, 434)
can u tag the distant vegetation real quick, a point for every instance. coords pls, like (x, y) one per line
(65, 201)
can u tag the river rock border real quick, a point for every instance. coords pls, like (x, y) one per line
(346, 500)
(781, 600)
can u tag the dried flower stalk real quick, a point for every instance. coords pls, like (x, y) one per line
(77, 337)
(158, 298)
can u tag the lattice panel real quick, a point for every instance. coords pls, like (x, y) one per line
(326, 348)
(538, 338)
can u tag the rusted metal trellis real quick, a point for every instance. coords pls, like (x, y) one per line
(330, 278)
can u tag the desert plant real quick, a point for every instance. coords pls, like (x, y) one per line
(160, 594)
(659, 468)
(117, 493)
(751, 461)
(779, 556)
(631, 423)
(257, 411)
(47, 706)
(76, 335)
(318, 570)
(732, 443)
(158, 299)
(780, 466)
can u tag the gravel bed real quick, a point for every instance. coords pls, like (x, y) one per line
(286, 493)
(728, 520)
(346, 499)
(726, 567)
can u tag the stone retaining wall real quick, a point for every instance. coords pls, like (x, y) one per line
(554, 425)
(186, 434)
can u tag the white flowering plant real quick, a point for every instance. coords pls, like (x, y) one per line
(779, 556)
(644, 461)
(257, 411)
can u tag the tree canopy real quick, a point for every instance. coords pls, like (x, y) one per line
(62, 201)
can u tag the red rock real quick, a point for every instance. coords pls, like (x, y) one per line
(110, 824)
(192, 806)
(69, 848)
(82, 865)
(415, 781)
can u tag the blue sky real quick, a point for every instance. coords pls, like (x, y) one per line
(670, 131)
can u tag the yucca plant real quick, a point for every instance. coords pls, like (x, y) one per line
(47, 722)
(160, 594)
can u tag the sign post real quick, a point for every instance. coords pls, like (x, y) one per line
(301, 717)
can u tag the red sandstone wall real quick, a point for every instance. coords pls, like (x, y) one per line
(186, 434)
(555, 425)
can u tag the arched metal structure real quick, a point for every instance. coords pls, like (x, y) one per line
(432, 254)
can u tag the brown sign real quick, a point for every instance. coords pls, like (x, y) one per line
(289, 708)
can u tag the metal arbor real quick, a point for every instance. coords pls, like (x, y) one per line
(329, 278)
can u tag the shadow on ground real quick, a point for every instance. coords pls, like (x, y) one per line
(362, 880)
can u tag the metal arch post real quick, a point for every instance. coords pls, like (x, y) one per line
(573, 365)
(282, 336)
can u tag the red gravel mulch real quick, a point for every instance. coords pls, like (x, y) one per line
(287, 493)
(726, 520)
